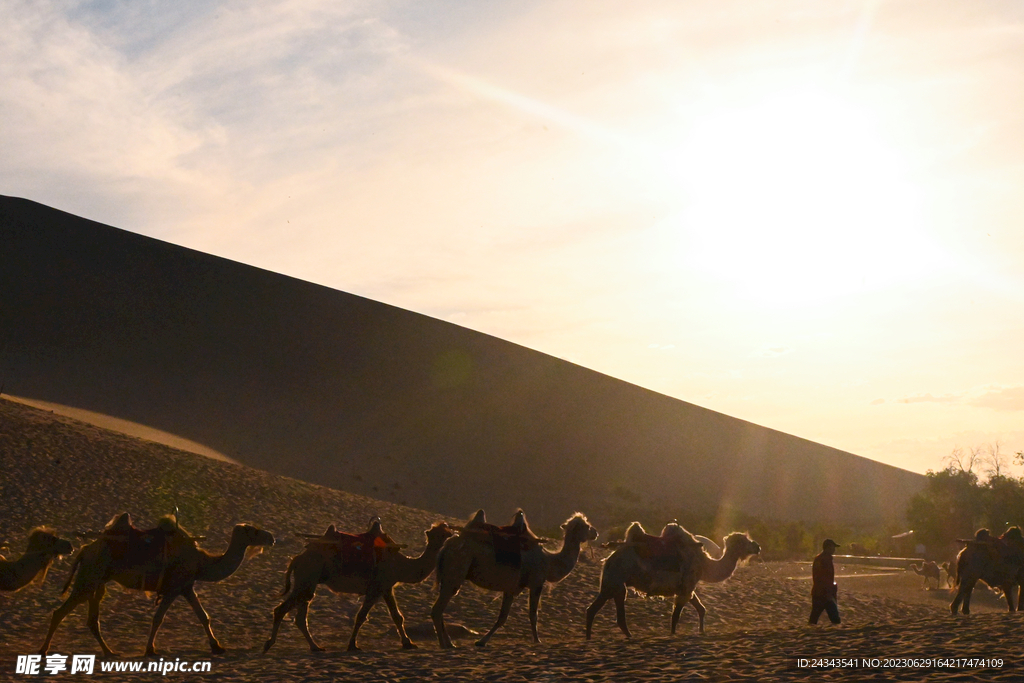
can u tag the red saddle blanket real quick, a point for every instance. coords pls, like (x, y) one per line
(358, 551)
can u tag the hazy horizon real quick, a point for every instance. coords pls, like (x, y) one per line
(803, 216)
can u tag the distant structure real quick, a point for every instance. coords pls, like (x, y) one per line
(339, 390)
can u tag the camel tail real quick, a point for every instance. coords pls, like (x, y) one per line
(288, 578)
(71, 576)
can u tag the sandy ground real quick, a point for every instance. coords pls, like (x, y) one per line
(75, 476)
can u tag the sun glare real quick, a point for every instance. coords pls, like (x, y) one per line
(796, 199)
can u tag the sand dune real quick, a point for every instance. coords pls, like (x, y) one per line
(125, 427)
(75, 476)
(335, 389)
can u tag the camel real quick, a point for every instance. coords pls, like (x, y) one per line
(321, 562)
(687, 564)
(43, 547)
(950, 570)
(997, 562)
(472, 557)
(929, 570)
(170, 573)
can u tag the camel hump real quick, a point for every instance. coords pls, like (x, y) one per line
(519, 527)
(167, 524)
(1013, 534)
(677, 534)
(119, 524)
(635, 533)
(478, 519)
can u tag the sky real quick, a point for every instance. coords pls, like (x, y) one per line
(806, 215)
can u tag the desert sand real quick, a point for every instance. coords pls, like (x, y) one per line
(75, 476)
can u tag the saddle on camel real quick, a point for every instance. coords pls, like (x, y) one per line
(509, 542)
(357, 552)
(663, 553)
(1005, 551)
(149, 549)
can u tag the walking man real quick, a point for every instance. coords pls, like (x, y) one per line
(824, 592)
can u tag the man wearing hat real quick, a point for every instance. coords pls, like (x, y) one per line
(824, 592)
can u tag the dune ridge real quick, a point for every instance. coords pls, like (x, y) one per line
(339, 390)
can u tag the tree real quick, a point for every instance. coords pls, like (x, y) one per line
(1003, 499)
(961, 461)
(995, 463)
(950, 507)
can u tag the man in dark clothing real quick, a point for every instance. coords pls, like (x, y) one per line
(824, 592)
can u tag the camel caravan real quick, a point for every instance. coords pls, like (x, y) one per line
(166, 562)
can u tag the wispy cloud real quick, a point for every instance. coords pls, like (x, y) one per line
(772, 351)
(928, 398)
(1001, 398)
(993, 397)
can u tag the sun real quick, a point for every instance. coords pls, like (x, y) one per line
(796, 198)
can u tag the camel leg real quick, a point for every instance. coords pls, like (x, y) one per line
(620, 610)
(506, 607)
(158, 618)
(369, 600)
(676, 611)
(957, 599)
(594, 608)
(73, 601)
(535, 594)
(444, 595)
(204, 619)
(301, 621)
(280, 612)
(964, 596)
(396, 616)
(94, 619)
(699, 606)
(603, 596)
(969, 589)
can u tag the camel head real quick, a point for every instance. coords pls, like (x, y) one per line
(578, 530)
(42, 541)
(740, 545)
(439, 533)
(252, 536)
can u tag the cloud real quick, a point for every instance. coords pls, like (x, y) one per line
(991, 397)
(1000, 398)
(772, 352)
(928, 398)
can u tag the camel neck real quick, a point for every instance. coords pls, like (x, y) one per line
(219, 567)
(560, 564)
(416, 569)
(23, 570)
(716, 571)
